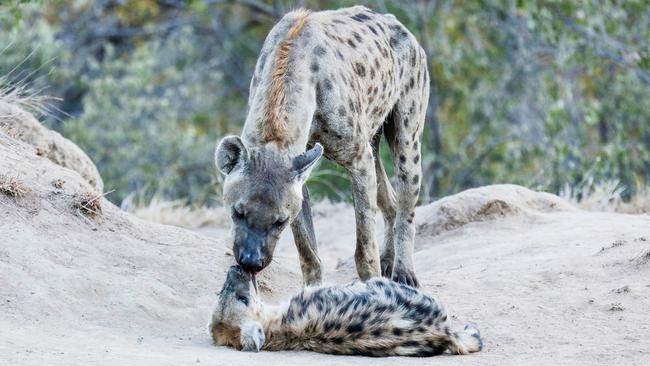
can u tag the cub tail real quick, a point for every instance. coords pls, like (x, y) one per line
(466, 341)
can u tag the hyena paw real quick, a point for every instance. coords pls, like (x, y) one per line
(387, 265)
(405, 275)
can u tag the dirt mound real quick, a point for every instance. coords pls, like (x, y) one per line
(60, 231)
(22, 126)
(484, 204)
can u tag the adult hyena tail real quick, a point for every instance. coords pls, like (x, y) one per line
(466, 341)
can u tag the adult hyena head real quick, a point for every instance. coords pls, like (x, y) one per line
(263, 190)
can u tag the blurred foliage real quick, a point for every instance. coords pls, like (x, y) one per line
(547, 94)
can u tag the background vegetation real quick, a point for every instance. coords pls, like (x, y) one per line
(553, 95)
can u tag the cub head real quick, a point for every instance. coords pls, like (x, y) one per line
(263, 190)
(237, 315)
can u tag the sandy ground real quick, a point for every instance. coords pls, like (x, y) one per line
(546, 283)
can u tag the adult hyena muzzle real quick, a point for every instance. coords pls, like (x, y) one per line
(253, 249)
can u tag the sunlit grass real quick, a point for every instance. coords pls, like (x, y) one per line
(607, 196)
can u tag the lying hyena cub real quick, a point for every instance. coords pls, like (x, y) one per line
(375, 318)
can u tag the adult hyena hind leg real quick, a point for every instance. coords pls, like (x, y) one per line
(388, 206)
(305, 238)
(407, 121)
(364, 192)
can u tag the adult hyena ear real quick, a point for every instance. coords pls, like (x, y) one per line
(305, 162)
(230, 154)
(252, 336)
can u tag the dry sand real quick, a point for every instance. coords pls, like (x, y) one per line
(545, 282)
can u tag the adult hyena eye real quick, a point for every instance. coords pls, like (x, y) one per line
(237, 214)
(279, 224)
(243, 299)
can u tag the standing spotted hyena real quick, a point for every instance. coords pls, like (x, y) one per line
(329, 83)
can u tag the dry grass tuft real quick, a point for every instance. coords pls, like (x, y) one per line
(643, 259)
(640, 202)
(177, 213)
(88, 204)
(607, 196)
(15, 89)
(12, 187)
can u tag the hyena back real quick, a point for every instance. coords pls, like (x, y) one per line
(376, 318)
(332, 83)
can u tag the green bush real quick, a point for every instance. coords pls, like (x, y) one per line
(141, 123)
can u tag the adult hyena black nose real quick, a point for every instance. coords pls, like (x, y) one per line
(251, 261)
(250, 252)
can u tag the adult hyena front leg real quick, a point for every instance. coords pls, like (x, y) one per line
(305, 238)
(407, 122)
(364, 192)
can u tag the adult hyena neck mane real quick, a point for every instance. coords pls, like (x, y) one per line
(274, 124)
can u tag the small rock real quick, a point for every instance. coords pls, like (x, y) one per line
(620, 290)
(616, 307)
(615, 243)
(618, 243)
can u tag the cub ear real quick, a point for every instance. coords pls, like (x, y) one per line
(230, 154)
(305, 162)
(252, 336)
